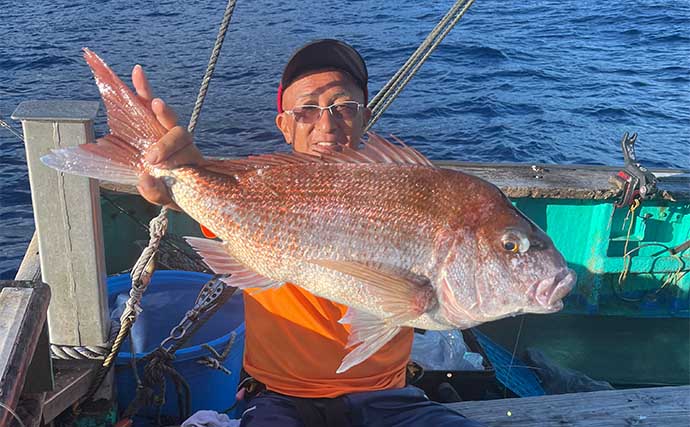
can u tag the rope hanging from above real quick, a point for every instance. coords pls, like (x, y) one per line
(397, 83)
(211, 64)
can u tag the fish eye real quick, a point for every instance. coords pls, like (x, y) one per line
(511, 246)
(515, 241)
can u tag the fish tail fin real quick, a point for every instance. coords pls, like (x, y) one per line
(118, 156)
(130, 118)
(105, 160)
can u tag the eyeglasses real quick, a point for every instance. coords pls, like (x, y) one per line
(344, 111)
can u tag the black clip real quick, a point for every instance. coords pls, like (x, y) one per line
(635, 180)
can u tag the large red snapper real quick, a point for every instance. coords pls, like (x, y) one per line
(380, 229)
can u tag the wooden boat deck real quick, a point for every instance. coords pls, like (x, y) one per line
(658, 406)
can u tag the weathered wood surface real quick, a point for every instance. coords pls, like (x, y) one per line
(72, 378)
(545, 181)
(72, 381)
(23, 308)
(40, 376)
(68, 222)
(658, 406)
(565, 181)
(30, 268)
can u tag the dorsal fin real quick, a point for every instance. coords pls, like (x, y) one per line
(380, 150)
(229, 166)
(375, 150)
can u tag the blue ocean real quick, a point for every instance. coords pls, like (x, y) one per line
(516, 81)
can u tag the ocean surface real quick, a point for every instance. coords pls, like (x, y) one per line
(516, 81)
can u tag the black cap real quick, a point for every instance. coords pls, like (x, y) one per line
(320, 54)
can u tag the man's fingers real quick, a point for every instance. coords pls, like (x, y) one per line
(141, 83)
(175, 140)
(165, 115)
(186, 156)
(154, 191)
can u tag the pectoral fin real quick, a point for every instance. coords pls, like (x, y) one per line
(370, 332)
(403, 294)
(215, 256)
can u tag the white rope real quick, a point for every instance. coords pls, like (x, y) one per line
(211, 65)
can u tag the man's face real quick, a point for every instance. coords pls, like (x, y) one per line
(327, 133)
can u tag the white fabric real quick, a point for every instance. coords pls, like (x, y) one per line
(210, 419)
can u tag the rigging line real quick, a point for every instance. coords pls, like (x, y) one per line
(626, 258)
(211, 65)
(416, 54)
(417, 66)
(401, 86)
(441, 27)
(7, 126)
(671, 277)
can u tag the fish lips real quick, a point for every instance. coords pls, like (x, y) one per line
(550, 292)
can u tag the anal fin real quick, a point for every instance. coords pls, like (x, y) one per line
(368, 333)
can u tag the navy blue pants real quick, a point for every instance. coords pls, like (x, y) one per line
(402, 407)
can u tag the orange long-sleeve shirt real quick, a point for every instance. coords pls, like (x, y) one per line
(294, 344)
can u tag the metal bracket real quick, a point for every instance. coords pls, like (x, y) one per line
(636, 181)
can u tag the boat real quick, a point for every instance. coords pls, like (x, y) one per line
(645, 313)
(625, 323)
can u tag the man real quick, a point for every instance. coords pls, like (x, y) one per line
(294, 342)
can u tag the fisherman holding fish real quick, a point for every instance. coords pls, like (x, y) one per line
(341, 247)
(294, 340)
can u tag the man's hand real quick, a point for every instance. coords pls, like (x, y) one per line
(175, 148)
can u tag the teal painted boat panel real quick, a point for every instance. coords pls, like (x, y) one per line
(595, 238)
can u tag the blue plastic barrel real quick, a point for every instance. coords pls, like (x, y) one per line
(169, 296)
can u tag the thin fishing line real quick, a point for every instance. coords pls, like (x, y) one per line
(512, 357)
(16, 417)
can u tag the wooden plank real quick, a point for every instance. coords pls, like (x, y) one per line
(23, 307)
(658, 406)
(584, 182)
(40, 374)
(68, 222)
(72, 381)
(40, 377)
(30, 268)
(14, 304)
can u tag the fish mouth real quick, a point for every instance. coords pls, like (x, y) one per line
(550, 292)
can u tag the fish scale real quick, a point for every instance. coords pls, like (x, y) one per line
(392, 232)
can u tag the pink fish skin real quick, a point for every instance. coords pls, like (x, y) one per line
(381, 229)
